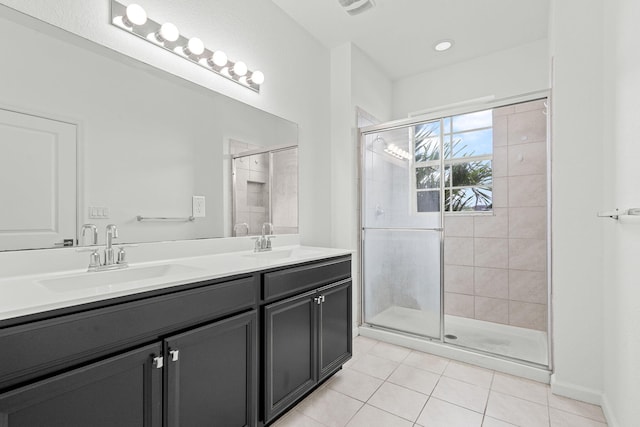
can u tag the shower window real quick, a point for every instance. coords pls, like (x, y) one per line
(454, 153)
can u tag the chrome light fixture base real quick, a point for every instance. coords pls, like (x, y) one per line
(150, 31)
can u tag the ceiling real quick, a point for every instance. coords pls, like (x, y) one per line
(399, 35)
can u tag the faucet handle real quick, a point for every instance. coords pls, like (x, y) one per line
(94, 259)
(269, 240)
(94, 233)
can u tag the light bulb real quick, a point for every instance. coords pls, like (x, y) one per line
(219, 59)
(239, 69)
(134, 15)
(168, 32)
(194, 47)
(257, 77)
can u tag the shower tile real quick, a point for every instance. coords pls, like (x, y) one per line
(517, 411)
(500, 192)
(415, 379)
(529, 126)
(469, 374)
(528, 315)
(528, 223)
(527, 159)
(458, 226)
(399, 401)
(500, 130)
(528, 286)
(500, 162)
(458, 251)
(463, 394)
(530, 105)
(458, 305)
(426, 361)
(438, 413)
(576, 407)
(529, 190)
(492, 310)
(503, 111)
(458, 279)
(491, 252)
(493, 225)
(519, 387)
(369, 416)
(491, 282)
(528, 254)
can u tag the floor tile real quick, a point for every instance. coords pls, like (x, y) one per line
(469, 374)
(399, 401)
(520, 387)
(462, 394)
(390, 351)
(492, 422)
(517, 411)
(296, 419)
(565, 419)
(438, 413)
(362, 345)
(354, 384)
(369, 416)
(330, 408)
(426, 361)
(576, 407)
(415, 379)
(374, 366)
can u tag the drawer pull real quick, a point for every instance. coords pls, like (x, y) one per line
(175, 355)
(158, 362)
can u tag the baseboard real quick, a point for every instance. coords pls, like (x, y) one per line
(608, 412)
(573, 391)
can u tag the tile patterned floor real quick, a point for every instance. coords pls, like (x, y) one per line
(387, 386)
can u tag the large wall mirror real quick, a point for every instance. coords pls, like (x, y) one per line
(88, 135)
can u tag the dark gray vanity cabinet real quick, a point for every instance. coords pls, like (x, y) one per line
(181, 359)
(307, 336)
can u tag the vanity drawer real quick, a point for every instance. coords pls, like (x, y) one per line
(282, 283)
(40, 348)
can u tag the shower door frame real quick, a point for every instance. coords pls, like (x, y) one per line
(433, 114)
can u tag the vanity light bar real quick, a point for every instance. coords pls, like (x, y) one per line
(133, 19)
(397, 152)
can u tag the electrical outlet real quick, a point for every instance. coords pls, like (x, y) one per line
(198, 206)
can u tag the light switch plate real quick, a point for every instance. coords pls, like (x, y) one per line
(98, 212)
(198, 207)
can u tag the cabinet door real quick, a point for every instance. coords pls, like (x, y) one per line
(211, 374)
(334, 327)
(289, 352)
(123, 391)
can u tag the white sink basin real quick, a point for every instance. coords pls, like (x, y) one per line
(276, 254)
(113, 279)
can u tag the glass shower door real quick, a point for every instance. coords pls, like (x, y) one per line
(402, 231)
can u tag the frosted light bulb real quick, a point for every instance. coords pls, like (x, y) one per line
(239, 69)
(194, 47)
(168, 32)
(257, 77)
(134, 15)
(219, 58)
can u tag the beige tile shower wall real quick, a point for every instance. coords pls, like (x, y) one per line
(496, 265)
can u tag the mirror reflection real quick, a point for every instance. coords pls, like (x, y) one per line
(148, 144)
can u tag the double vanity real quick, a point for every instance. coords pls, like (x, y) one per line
(231, 339)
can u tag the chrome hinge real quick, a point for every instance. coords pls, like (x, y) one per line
(175, 354)
(158, 362)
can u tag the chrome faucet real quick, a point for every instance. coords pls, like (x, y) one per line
(263, 242)
(241, 224)
(94, 234)
(112, 233)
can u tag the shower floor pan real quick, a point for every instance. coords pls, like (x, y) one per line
(504, 340)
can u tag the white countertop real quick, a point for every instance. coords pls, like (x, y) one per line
(31, 294)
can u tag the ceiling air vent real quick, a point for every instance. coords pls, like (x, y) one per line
(356, 7)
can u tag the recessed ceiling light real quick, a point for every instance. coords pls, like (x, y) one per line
(443, 45)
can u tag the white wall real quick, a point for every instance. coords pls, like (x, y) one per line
(296, 67)
(577, 189)
(620, 290)
(502, 74)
